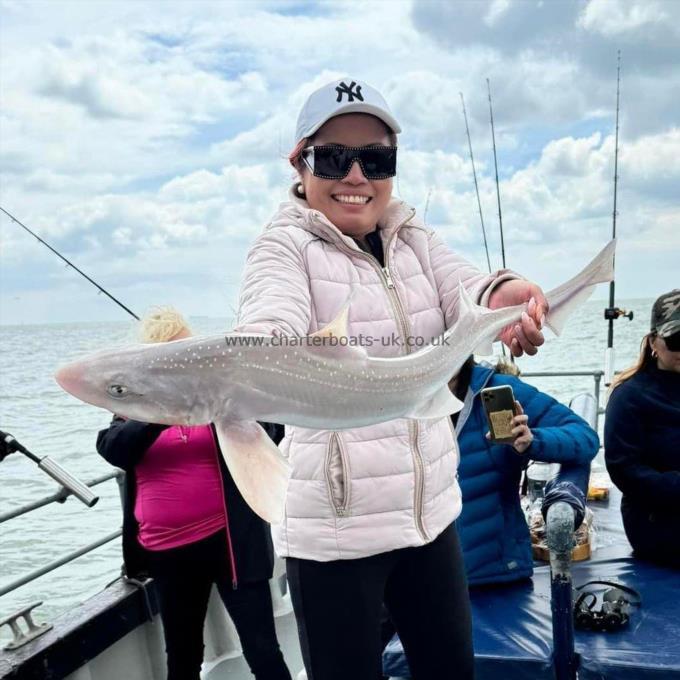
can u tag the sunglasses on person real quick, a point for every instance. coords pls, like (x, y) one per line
(334, 161)
(673, 342)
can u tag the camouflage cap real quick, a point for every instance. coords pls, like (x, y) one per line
(666, 314)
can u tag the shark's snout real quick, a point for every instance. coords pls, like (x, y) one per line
(70, 378)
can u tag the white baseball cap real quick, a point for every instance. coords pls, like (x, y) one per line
(342, 96)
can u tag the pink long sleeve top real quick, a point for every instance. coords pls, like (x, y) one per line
(180, 496)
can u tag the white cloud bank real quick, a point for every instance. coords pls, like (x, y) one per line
(148, 140)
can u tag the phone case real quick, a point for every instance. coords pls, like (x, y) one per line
(499, 406)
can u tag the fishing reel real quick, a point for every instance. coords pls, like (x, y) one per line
(613, 615)
(613, 313)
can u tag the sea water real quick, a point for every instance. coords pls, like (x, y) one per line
(50, 422)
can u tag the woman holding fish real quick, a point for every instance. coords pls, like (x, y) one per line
(370, 511)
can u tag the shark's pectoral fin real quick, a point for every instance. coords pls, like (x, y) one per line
(442, 404)
(256, 465)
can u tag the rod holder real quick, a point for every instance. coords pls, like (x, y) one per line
(68, 481)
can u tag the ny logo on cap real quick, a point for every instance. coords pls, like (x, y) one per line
(352, 92)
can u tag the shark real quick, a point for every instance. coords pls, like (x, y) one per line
(320, 381)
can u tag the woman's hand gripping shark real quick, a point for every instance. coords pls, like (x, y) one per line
(321, 381)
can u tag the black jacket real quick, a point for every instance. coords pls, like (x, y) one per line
(642, 450)
(125, 442)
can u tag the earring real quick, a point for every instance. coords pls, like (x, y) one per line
(654, 354)
(300, 190)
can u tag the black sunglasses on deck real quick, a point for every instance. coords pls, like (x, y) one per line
(673, 342)
(334, 161)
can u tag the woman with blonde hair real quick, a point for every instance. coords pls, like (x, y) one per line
(642, 437)
(186, 524)
(369, 512)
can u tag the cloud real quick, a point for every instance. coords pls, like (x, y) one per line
(613, 17)
(148, 140)
(557, 60)
(123, 76)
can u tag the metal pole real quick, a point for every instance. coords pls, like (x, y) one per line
(58, 497)
(57, 563)
(121, 480)
(598, 379)
(560, 539)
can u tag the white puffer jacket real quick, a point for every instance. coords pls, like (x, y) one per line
(364, 491)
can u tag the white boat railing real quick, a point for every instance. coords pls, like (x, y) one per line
(597, 379)
(59, 497)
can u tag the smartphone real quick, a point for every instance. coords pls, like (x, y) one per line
(499, 406)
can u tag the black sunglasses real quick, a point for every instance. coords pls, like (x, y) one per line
(333, 161)
(673, 342)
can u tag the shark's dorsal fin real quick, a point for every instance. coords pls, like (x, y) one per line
(336, 340)
(468, 308)
(337, 327)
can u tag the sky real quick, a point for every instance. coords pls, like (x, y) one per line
(146, 141)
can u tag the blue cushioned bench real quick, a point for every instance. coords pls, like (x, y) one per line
(513, 630)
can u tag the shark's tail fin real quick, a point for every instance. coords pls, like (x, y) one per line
(564, 299)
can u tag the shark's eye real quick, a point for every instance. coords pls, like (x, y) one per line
(117, 391)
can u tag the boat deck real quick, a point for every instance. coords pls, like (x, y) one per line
(237, 669)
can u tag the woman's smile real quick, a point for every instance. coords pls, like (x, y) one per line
(352, 200)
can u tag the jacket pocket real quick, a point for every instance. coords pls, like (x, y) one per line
(337, 475)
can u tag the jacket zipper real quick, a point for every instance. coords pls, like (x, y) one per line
(230, 547)
(340, 510)
(455, 443)
(414, 427)
(388, 282)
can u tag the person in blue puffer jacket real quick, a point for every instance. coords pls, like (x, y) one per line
(493, 531)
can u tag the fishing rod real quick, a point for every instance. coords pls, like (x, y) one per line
(495, 162)
(70, 264)
(427, 205)
(474, 175)
(498, 193)
(8, 444)
(612, 312)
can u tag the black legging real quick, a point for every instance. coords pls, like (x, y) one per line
(338, 610)
(184, 577)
